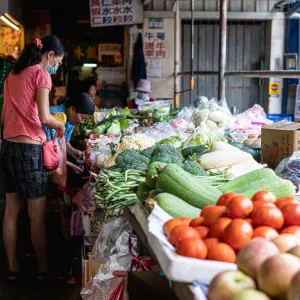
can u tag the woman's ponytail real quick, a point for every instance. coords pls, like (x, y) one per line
(31, 55)
(33, 52)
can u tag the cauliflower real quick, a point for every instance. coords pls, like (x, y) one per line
(200, 116)
(135, 142)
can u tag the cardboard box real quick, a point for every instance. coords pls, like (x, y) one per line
(279, 141)
(89, 266)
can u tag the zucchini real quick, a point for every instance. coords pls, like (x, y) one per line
(279, 187)
(152, 173)
(176, 181)
(188, 151)
(176, 207)
(248, 181)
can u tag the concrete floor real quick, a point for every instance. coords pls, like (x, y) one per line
(61, 254)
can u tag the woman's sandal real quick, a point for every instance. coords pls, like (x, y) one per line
(12, 276)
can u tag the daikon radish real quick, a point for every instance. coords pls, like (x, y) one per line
(220, 146)
(244, 168)
(223, 158)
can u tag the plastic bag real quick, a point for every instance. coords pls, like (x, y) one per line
(85, 198)
(103, 290)
(159, 131)
(289, 168)
(106, 244)
(59, 176)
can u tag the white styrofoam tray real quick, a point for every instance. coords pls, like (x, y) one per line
(176, 267)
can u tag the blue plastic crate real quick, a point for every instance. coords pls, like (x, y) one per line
(279, 117)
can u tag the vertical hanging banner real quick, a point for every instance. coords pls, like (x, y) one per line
(115, 12)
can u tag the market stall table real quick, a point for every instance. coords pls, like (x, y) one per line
(138, 218)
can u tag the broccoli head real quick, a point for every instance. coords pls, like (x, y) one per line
(148, 151)
(167, 154)
(131, 160)
(194, 168)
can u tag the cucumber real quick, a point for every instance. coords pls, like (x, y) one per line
(186, 152)
(174, 180)
(176, 207)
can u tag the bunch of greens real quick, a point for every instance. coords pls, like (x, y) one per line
(86, 125)
(114, 191)
(112, 125)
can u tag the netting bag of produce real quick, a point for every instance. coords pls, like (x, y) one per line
(289, 168)
(59, 176)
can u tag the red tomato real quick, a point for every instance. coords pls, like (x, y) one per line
(239, 207)
(217, 229)
(223, 200)
(203, 231)
(295, 230)
(197, 221)
(265, 232)
(280, 203)
(212, 214)
(291, 213)
(222, 252)
(192, 247)
(249, 220)
(181, 233)
(171, 224)
(260, 203)
(211, 242)
(264, 196)
(268, 216)
(186, 221)
(237, 234)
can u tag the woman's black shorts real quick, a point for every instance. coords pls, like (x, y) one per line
(23, 169)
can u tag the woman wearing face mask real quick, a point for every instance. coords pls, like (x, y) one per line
(26, 108)
(143, 89)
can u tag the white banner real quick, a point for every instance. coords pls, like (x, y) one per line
(105, 13)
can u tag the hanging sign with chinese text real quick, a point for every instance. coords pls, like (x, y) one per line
(115, 12)
(111, 50)
(155, 44)
(85, 53)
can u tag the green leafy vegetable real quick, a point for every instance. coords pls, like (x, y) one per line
(175, 141)
(204, 139)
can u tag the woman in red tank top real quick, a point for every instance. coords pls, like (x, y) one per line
(25, 109)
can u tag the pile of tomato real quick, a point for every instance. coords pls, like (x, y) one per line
(222, 230)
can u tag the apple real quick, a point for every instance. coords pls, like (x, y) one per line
(250, 294)
(295, 251)
(228, 283)
(252, 256)
(294, 288)
(276, 274)
(286, 242)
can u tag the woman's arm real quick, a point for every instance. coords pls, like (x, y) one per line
(76, 154)
(42, 98)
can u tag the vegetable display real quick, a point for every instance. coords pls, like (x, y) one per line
(114, 190)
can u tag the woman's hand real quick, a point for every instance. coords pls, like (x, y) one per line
(61, 130)
(76, 169)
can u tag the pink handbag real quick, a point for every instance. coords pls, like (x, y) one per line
(50, 155)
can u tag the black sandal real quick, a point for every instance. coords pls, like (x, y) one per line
(12, 276)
